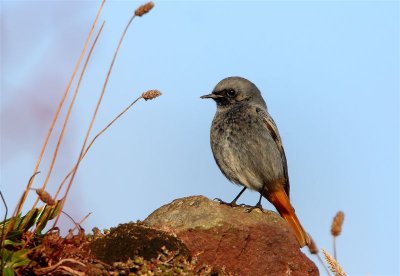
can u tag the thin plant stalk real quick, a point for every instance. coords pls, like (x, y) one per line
(94, 139)
(2, 230)
(81, 222)
(69, 113)
(76, 91)
(334, 248)
(323, 264)
(77, 224)
(94, 115)
(148, 95)
(30, 182)
(79, 82)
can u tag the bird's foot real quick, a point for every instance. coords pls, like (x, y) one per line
(249, 208)
(231, 204)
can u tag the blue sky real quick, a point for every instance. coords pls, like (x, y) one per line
(329, 72)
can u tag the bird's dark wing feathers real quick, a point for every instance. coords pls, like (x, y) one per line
(271, 126)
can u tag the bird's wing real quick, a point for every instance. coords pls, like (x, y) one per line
(273, 130)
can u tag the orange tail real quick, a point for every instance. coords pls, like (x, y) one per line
(282, 203)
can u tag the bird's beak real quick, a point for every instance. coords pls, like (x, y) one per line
(211, 96)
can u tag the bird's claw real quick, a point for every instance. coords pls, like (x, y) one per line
(249, 208)
(231, 204)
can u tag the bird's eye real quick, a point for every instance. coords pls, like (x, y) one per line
(231, 93)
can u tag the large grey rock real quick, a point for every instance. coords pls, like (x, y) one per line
(256, 243)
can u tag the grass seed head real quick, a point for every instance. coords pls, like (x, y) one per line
(45, 197)
(337, 223)
(312, 246)
(333, 264)
(143, 9)
(151, 94)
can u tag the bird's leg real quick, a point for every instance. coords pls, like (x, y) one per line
(233, 203)
(257, 206)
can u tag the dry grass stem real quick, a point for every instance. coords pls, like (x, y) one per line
(72, 219)
(108, 125)
(77, 88)
(148, 95)
(67, 117)
(95, 113)
(30, 182)
(151, 94)
(2, 229)
(142, 10)
(84, 218)
(333, 264)
(81, 221)
(70, 109)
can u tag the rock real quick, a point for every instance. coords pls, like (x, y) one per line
(256, 243)
(130, 240)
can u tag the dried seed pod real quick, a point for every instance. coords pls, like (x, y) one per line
(337, 223)
(45, 197)
(151, 94)
(312, 246)
(143, 9)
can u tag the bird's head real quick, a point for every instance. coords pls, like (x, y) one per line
(235, 90)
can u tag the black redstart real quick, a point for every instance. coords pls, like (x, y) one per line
(248, 149)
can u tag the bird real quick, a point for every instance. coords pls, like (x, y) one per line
(248, 149)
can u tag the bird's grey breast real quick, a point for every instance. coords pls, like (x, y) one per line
(244, 148)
